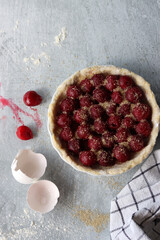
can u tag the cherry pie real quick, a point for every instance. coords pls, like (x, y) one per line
(104, 120)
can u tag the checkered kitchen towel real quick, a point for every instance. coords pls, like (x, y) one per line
(135, 212)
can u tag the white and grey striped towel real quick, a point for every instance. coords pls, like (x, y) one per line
(135, 212)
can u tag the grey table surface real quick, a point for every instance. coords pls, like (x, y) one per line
(125, 33)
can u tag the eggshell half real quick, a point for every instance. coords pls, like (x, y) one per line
(43, 196)
(28, 166)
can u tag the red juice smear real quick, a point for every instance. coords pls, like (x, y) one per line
(16, 110)
(36, 117)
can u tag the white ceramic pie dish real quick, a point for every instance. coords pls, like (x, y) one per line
(117, 168)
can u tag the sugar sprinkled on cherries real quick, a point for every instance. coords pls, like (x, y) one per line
(67, 105)
(114, 121)
(98, 79)
(85, 101)
(111, 82)
(66, 134)
(128, 122)
(121, 153)
(136, 143)
(134, 94)
(124, 109)
(95, 143)
(125, 82)
(117, 97)
(100, 94)
(74, 145)
(99, 126)
(143, 128)
(108, 139)
(88, 158)
(73, 91)
(96, 111)
(86, 85)
(81, 115)
(63, 120)
(105, 159)
(122, 135)
(141, 111)
(83, 131)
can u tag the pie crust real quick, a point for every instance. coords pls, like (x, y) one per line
(88, 73)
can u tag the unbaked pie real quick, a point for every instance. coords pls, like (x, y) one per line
(104, 120)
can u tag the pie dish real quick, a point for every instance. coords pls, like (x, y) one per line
(103, 120)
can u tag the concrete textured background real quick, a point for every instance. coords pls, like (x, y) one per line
(125, 33)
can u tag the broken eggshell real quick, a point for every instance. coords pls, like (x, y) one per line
(42, 196)
(28, 167)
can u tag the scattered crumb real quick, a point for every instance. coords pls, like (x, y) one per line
(43, 54)
(25, 60)
(60, 37)
(36, 60)
(32, 223)
(92, 218)
(111, 182)
(43, 44)
(16, 26)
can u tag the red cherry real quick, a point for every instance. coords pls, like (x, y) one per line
(111, 109)
(136, 143)
(98, 79)
(85, 101)
(143, 128)
(114, 121)
(81, 115)
(100, 95)
(88, 158)
(86, 85)
(125, 82)
(67, 105)
(74, 145)
(63, 120)
(99, 126)
(111, 82)
(108, 140)
(83, 131)
(96, 111)
(124, 109)
(122, 135)
(121, 153)
(105, 159)
(73, 91)
(24, 133)
(128, 122)
(31, 98)
(95, 143)
(141, 111)
(117, 97)
(134, 94)
(66, 134)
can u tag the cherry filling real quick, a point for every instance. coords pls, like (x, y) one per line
(104, 120)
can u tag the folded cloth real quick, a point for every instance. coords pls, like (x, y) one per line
(135, 212)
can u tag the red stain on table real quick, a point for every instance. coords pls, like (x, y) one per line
(16, 110)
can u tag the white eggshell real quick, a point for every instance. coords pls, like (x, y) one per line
(43, 196)
(28, 167)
